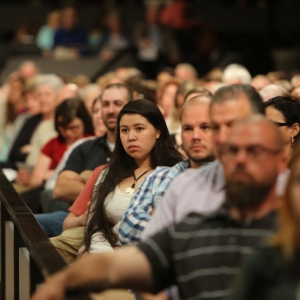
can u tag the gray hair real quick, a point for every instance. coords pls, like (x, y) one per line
(236, 72)
(51, 80)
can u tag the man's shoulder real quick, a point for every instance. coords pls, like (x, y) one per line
(205, 173)
(163, 171)
(90, 144)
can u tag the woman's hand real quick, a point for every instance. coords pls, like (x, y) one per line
(23, 177)
(83, 218)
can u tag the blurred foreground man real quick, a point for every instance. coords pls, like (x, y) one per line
(200, 254)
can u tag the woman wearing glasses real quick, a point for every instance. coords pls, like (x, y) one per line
(72, 122)
(286, 114)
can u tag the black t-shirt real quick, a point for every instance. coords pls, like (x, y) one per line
(23, 139)
(203, 255)
(268, 275)
(88, 155)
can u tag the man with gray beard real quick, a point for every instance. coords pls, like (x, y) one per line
(201, 255)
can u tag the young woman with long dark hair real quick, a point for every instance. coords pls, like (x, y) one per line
(142, 144)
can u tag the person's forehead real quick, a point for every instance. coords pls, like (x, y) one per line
(232, 109)
(45, 87)
(244, 135)
(133, 119)
(114, 94)
(196, 112)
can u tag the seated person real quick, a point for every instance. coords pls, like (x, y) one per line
(141, 133)
(197, 143)
(70, 40)
(45, 36)
(47, 89)
(85, 157)
(202, 255)
(99, 131)
(272, 271)
(12, 115)
(19, 149)
(72, 122)
(113, 39)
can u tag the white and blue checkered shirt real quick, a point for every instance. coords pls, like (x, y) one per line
(148, 195)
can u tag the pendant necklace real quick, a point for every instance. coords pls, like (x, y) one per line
(130, 190)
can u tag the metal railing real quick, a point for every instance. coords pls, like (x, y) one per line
(27, 255)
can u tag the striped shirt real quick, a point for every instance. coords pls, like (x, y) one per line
(202, 255)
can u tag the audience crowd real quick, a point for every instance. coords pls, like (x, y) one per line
(177, 187)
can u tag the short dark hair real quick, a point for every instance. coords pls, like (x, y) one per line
(68, 110)
(120, 86)
(289, 108)
(230, 92)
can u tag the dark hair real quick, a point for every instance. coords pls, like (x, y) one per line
(68, 110)
(144, 91)
(289, 108)
(122, 166)
(129, 96)
(230, 92)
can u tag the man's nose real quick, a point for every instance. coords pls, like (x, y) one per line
(196, 134)
(241, 157)
(111, 108)
(223, 135)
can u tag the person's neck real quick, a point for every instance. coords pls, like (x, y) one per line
(197, 164)
(258, 212)
(143, 165)
(111, 136)
(48, 116)
(20, 105)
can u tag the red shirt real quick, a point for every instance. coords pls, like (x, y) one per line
(55, 149)
(79, 206)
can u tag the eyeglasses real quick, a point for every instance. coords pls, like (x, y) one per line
(72, 127)
(255, 152)
(280, 124)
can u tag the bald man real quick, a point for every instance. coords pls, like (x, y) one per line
(201, 255)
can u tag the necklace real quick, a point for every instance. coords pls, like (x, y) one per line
(130, 190)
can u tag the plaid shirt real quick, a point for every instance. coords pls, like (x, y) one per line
(148, 195)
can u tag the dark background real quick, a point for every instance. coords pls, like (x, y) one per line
(262, 35)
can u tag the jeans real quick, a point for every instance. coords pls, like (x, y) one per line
(52, 222)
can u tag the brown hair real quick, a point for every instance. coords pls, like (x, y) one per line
(288, 232)
(11, 113)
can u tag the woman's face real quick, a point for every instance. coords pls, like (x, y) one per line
(16, 91)
(168, 98)
(47, 97)
(138, 136)
(73, 131)
(99, 126)
(276, 116)
(295, 190)
(32, 103)
(179, 102)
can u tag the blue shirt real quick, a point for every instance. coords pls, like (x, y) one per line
(75, 38)
(149, 193)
